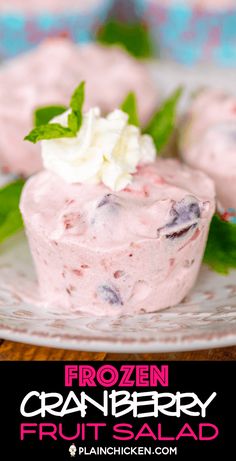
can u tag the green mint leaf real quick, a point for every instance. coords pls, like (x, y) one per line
(43, 115)
(77, 98)
(162, 124)
(10, 216)
(76, 105)
(50, 131)
(220, 253)
(74, 122)
(130, 107)
(134, 37)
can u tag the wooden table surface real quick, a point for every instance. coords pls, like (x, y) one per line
(17, 351)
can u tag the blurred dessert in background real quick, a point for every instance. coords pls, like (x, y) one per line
(208, 143)
(46, 75)
(194, 31)
(50, 5)
(25, 23)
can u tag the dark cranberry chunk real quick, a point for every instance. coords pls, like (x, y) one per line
(183, 212)
(105, 200)
(181, 232)
(108, 199)
(184, 217)
(110, 294)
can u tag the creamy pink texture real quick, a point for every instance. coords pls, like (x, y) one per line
(36, 6)
(113, 253)
(48, 75)
(208, 141)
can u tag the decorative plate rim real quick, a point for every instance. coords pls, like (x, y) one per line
(147, 346)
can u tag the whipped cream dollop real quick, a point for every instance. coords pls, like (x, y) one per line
(105, 149)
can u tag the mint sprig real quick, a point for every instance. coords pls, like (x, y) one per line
(162, 124)
(76, 105)
(43, 115)
(129, 106)
(50, 131)
(10, 216)
(220, 253)
(56, 130)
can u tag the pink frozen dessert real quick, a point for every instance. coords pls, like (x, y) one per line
(46, 75)
(208, 142)
(111, 229)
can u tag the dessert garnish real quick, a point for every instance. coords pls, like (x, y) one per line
(220, 253)
(160, 127)
(57, 130)
(162, 124)
(11, 220)
(130, 107)
(9, 195)
(101, 149)
(43, 115)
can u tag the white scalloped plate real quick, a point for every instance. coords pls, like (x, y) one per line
(206, 318)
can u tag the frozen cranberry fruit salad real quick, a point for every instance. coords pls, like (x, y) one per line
(47, 74)
(112, 229)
